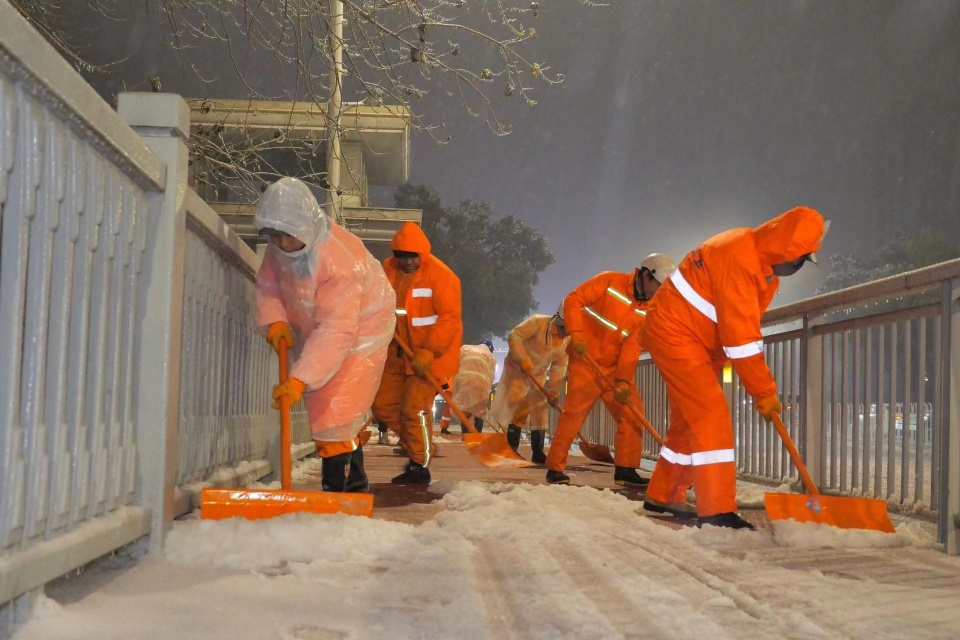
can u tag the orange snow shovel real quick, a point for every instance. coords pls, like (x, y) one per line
(257, 504)
(836, 511)
(491, 450)
(609, 386)
(595, 452)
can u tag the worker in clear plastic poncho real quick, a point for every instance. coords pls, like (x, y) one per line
(320, 289)
(538, 350)
(472, 384)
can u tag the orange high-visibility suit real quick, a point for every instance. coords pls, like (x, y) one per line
(603, 312)
(707, 313)
(428, 317)
(535, 339)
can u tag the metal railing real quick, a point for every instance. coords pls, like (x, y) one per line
(129, 362)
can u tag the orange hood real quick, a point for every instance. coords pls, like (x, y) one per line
(411, 238)
(789, 236)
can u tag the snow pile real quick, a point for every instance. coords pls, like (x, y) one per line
(296, 539)
(504, 560)
(810, 535)
(750, 496)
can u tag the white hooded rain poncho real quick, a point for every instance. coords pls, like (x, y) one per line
(337, 300)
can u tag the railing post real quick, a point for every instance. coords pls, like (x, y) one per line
(163, 121)
(811, 379)
(949, 409)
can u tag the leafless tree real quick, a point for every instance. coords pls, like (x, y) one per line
(395, 54)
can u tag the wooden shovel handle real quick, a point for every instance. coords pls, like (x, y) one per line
(795, 455)
(601, 377)
(466, 422)
(285, 462)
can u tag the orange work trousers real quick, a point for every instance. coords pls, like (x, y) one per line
(699, 443)
(404, 403)
(329, 448)
(583, 391)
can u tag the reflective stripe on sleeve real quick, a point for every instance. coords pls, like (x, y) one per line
(691, 296)
(424, 322)
(619, 296)
(423, 293)
(744, 350)
(601, 319)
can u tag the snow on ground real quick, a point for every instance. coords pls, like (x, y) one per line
(512, 561)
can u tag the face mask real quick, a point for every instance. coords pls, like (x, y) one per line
(785, 269)
(302, 263)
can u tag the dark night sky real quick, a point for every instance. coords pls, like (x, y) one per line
(680, 119)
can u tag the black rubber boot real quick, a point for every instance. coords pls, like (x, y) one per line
(678, 510)
(557, 477)
(729, 520)
(478, 424)
(536, 443)
(333, 472)
(513, 437)
(628, 477)
(414, 473)
(357, 478)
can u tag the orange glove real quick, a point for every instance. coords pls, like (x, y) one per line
(578, 344)
(421, 363)
(291, 388)
(621, 393)
(526, 365)
(277, 331)
(767, 406)
(553, 397)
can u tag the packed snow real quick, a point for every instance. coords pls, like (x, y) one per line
(510, 561)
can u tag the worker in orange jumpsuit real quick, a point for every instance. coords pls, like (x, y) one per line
(708, 313)
(320, 291)
(429, 321)
(538, 351)
(603, 317)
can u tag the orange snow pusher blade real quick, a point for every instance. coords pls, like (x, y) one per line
(592, 451)
(493, 450)
(836, 511)
(256, 504)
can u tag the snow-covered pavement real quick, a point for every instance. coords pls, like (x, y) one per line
(511, 561)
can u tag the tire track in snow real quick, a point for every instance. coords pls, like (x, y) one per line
(706, 568)
(521, 591)
(607, 594)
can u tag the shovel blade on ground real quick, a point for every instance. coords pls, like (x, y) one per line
(492, 450)
(836, 511)
(257, 504)
(596, 452)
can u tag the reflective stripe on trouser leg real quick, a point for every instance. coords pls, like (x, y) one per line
(415, 408)
(695, 394)
(582, 394)
(672, 476)
(425, 430)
